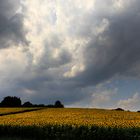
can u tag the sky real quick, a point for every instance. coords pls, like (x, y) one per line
(85, 53)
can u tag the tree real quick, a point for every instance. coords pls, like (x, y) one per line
(10, 101)
(58, 104)
(27, 104)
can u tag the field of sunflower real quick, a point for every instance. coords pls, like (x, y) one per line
(77, 117)
(68, 123)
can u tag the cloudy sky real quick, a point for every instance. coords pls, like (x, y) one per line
(85, 53)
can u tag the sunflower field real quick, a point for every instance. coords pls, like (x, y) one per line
(70, 123)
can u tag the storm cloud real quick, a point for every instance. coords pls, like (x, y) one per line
(11, 23)
(114, 50)
(73, 47)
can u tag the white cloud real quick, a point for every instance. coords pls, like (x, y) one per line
(101, 96)
(61, 25)
(13, 65)
(74, 70)
(131, 103)
(97, 97)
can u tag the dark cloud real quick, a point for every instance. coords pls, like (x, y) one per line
(47, 90)
(49, 61)
(104, 40)
(112, 51)
(11, 24)
(115, 51)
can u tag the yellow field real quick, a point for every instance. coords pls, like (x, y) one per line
(74, 117)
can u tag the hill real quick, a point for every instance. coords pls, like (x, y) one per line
(48, 123)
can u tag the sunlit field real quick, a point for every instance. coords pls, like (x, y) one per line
(75, 117)
(67, 123)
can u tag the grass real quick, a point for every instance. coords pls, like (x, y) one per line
(69, 124)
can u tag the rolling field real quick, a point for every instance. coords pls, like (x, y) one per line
(75, 117)
(69, 123)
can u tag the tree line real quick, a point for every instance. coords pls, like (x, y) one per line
(13, 101)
